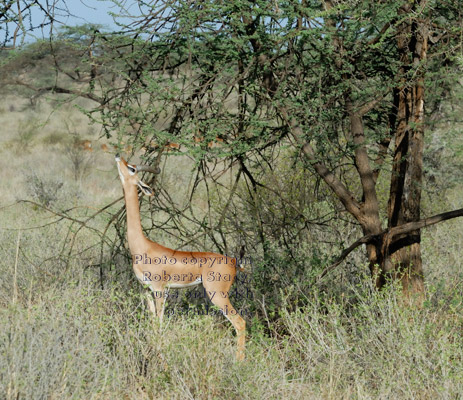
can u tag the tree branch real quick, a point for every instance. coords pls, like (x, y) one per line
(346, 198)
(58, 89)
(397, 230)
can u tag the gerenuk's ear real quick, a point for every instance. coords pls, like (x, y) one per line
(145, 188)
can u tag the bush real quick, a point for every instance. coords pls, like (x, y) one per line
(44, 191)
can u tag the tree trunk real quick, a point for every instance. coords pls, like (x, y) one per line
(402, 257)
(397, 257)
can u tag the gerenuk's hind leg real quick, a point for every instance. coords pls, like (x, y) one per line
(237, 321)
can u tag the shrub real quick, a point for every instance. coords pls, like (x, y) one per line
(44, 191)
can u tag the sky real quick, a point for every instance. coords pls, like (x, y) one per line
(93, 11)
(73, 13)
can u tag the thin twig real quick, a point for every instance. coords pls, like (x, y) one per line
(15, 274)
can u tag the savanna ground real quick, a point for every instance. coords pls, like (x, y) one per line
(62, 336)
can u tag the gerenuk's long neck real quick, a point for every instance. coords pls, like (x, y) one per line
(137, 240)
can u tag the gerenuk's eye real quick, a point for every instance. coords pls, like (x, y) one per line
(132, 170)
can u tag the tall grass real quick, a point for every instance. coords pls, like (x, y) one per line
(80, 342)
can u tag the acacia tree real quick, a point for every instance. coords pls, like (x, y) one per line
(343, 85)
